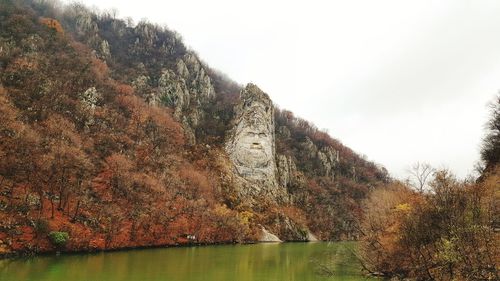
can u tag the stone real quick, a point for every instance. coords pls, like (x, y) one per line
(172, 91)
(89, 100)
(182, 69)
(287, 170)
(325, 159)
(104, 50)
(199, 83)
(267, 236)
(141, 84)
(309, 147)
(251, 146)
(328, 159)
(186, 89)
(311, 237)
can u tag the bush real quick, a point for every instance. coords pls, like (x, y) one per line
(448, 233)
(59, 238)
(41, 226)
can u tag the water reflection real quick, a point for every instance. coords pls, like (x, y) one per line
(262, 262)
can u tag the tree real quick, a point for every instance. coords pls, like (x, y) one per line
(490, 150)
(446, 234)
(419, 175)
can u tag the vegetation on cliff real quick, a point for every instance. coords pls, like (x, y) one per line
(112, 133)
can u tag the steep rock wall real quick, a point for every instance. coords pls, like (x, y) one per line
(251, 146)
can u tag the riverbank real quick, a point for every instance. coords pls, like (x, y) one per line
(25, 254)
(15, 255)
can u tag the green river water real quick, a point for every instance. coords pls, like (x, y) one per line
(259, 262)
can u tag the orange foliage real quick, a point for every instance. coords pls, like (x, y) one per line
(196, 182)
(123, 180)
(294, 213)
(123, 89)
(22, 64)
(52, 23)
(100, 69)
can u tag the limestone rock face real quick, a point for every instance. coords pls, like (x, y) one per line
(325, 159)
(310, 148)
(176, 90)
(287, 170)
(193, 72)
(88, 100)
(186, 90)
(267, 236)
(251, 145)
(311, 237)
(173, 91)
(328, 158)
(104, 51)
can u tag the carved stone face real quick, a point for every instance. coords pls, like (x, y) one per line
(254, 147)
(251, 142)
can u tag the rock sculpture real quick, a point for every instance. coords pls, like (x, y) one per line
(251, 146)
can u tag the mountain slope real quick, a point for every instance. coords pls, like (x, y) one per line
(114, 133)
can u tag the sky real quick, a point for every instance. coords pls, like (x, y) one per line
(398, 81)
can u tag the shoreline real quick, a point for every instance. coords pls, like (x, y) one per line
(22, 255)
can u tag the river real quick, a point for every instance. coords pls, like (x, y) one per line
(258, 262)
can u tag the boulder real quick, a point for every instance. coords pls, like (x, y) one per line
(267, 236)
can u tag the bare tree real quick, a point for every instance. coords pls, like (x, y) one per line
(419, 175)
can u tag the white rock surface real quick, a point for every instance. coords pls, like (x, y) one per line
(267, 236)
(251, 146)
(311, 237)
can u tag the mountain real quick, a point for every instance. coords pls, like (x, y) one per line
(115, 135)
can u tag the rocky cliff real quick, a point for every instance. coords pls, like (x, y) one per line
(117, 134)
(251, 147)
(187, 88)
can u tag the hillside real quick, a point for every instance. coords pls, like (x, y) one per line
(118, 135)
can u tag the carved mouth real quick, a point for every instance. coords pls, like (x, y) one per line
(256, 145)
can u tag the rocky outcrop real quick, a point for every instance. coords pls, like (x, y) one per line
(309, 148)
(173, 91)
(186, 89)
(267, 236)
(287, 170)
(194, 73)
(325, 159)
(262, 176)
(289, 230)
(328, 159)
(311, 237)
(291, 179)
(88, 100)
(251, 146)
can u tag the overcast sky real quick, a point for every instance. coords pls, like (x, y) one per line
(399, 81)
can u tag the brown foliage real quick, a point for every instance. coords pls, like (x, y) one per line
(52, 23)
(447, 234)
(120, 175)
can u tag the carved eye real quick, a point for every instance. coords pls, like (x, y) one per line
(250, 134)
(262, 135)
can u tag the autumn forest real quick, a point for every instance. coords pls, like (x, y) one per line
(112, 137)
